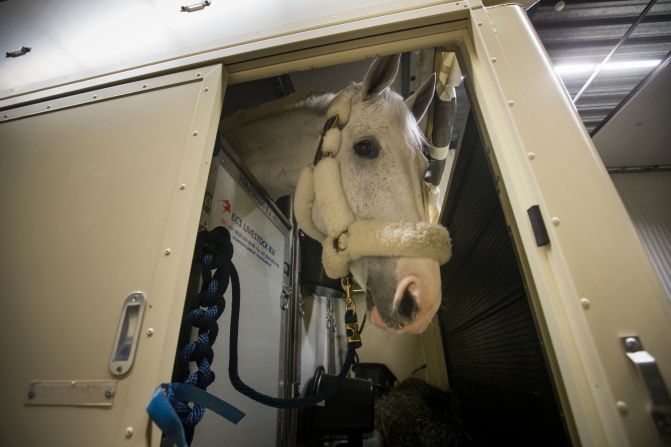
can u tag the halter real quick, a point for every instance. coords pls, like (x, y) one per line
(347, 238)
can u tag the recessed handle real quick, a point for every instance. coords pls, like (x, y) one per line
(127, 334)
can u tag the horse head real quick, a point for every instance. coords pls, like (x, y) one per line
(373, 144)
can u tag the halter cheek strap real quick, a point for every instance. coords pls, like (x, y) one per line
(348, 239)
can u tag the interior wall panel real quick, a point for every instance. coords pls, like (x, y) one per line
(647, 197)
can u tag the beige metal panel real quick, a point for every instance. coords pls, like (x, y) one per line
(594, 282)
(74, 40)
(92, 209)
(647, 197)
(376, 21)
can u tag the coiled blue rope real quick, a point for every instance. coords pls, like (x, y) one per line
(213, 253)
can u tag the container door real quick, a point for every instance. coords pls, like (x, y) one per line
(101, 194)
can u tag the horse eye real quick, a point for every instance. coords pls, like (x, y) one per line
(366, 149)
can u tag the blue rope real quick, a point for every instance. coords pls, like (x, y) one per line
(213, 252)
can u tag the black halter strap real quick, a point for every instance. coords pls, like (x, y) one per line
(330, 124)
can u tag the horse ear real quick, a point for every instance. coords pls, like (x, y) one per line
(419, 102)
(380, 75)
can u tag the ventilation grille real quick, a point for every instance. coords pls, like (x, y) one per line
(495, 361)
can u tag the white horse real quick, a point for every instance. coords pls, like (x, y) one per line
(381, 169)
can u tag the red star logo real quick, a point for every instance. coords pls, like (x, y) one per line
(227, 206)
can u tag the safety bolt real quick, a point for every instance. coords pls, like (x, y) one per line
(555, 221)
(128, 432)
(493, 60)
(167, 252)
(531, 155)
(207, 89)
(109, 392)
(182, 187)
(622, 407)
(584, 302)
(631, 343)
(195, 133)
(511, 103)
(150, 332)
(479, 23)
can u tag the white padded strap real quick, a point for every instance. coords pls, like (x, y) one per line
(411, 239)
(303, 202)
(330, 197)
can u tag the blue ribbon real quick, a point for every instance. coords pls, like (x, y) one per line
(163, 414)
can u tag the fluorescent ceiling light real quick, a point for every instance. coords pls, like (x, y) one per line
(570, 69)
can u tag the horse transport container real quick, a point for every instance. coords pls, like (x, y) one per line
(554, 327)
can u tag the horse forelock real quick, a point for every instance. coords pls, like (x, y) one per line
(402, 116)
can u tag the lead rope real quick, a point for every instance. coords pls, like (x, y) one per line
(353, 342)
(169, 407)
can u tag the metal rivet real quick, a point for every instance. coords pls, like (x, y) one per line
(119, 369)
(555, 221)
(109, 392)
(195, 133)
(5, 116)
(31, 394)
(584, 302)
(511, 103)
(48, 107)
(531, 155)
(73, 383)
(144, 85)
(128, 432)
(198, 74)
(479, 23)
(493, 60)
(95, 96)
(182, 187)
(150, 332)
(167, 252)
(622, 407)
(207, 89)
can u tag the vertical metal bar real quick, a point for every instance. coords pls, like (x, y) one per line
(617, 46)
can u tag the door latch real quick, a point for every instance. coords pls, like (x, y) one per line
(660, 410)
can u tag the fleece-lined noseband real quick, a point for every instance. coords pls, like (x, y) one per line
(347, 238)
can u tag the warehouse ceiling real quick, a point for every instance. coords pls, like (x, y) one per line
(578, 35)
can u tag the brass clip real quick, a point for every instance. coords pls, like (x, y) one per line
(353, 336)
(347, 286)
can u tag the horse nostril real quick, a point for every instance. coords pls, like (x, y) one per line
(407, 306)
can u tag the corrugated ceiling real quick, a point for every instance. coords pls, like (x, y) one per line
(576, 33)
